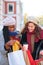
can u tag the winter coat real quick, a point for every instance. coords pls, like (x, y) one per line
(7, 34)
(37, 42)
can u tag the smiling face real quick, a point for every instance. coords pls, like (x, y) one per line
(31, 27)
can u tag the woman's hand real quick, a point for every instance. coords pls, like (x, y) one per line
(11, 42)
(23, 48)
(7, 47)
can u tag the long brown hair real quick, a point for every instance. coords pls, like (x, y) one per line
(36, 31)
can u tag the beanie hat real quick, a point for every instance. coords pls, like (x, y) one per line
(9, 21)
(33, 20)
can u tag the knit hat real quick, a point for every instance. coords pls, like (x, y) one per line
(9, 21)
(33, 19)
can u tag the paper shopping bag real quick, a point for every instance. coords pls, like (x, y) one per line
(16, 58)
(27, 61)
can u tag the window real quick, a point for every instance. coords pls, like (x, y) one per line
(10, 9)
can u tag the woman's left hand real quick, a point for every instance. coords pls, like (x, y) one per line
(11, 42)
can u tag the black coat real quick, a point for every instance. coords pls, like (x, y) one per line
(37, 45)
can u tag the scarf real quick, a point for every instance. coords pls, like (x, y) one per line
(30, 41)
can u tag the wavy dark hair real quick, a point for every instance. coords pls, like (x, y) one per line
(36, 31)
(5, 34)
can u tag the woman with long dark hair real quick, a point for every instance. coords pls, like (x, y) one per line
(32, 34)
(11, 35)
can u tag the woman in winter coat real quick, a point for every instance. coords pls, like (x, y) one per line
(32, 34)
(11, 35)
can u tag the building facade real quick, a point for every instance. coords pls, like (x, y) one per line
(13, 8)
